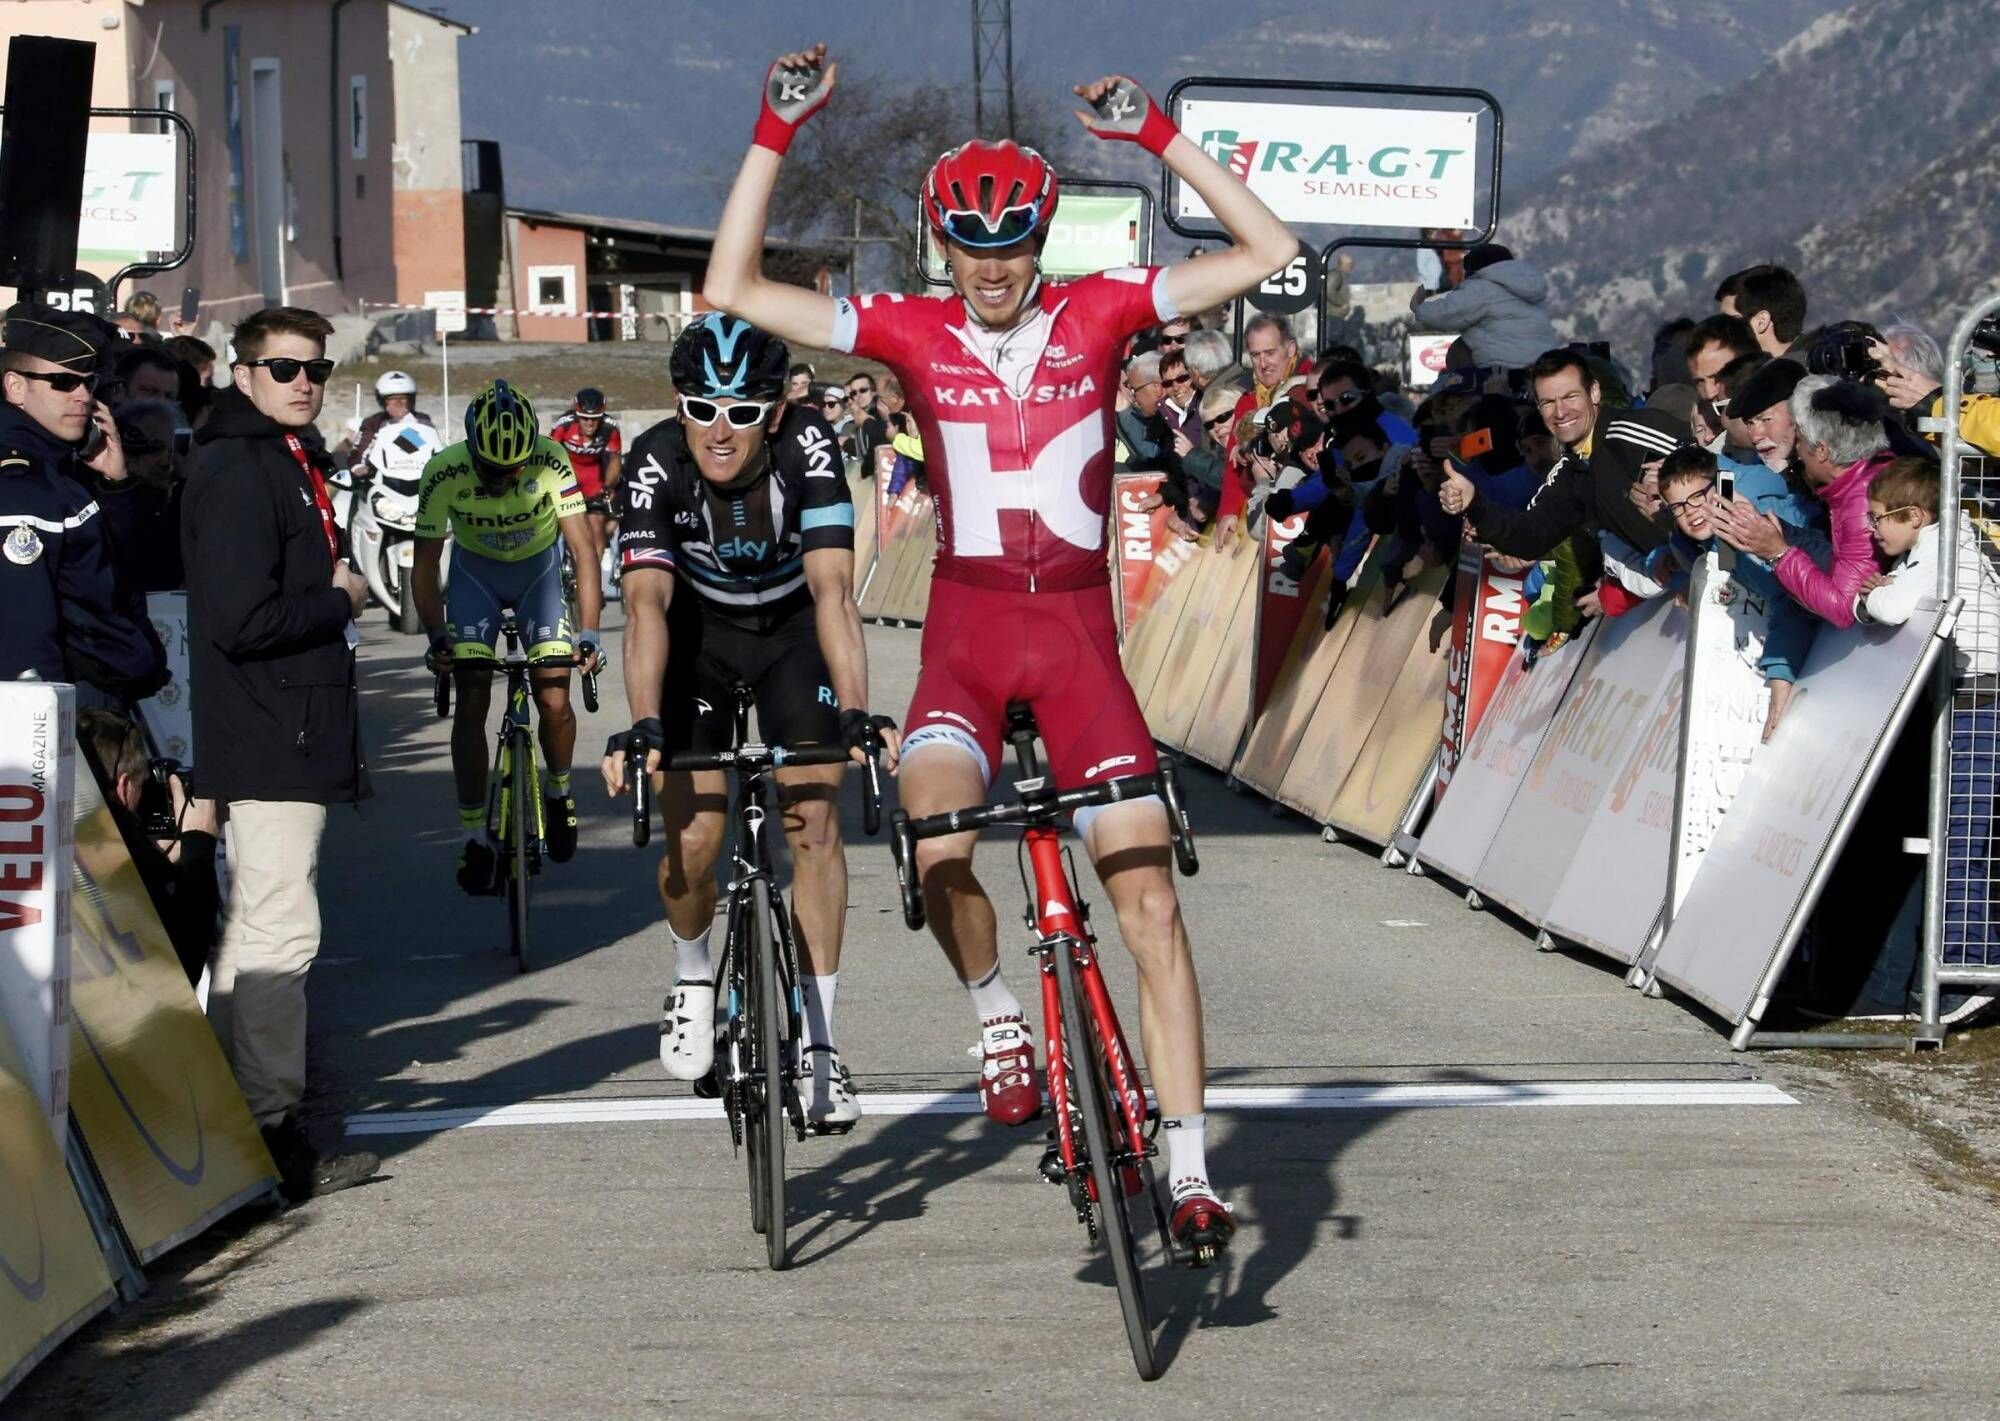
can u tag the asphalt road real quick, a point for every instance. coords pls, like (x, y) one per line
(1674, 1259)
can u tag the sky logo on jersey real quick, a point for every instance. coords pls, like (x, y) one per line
(746, 549)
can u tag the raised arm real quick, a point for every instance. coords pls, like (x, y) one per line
(796, 87)
(1120, 110)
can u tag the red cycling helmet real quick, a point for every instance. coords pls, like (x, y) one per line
(988, 195)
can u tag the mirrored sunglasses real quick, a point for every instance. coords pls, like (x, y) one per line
(1015, 224)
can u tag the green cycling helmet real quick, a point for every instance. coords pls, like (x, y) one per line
(500, 426)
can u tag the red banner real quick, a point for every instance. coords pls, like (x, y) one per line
(1139, 537)
(1484, 633)
(1281, 605)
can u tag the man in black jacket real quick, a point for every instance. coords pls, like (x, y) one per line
(1589, 490)
(69, 615)
(277, 733)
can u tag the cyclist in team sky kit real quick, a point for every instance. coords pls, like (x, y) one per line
(1011, 382)
(737, 545)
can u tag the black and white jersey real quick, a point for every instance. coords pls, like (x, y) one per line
(742, 551)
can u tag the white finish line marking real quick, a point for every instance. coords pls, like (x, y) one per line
(1421, 1096)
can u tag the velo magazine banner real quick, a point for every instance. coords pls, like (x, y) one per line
(52, 1276)
(153, 1096)
(1281, 604)
(1484, 634)
(37, 805)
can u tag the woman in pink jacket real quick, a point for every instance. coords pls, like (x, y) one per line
(1841, 446)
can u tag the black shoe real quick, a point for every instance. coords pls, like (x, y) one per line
(559, 812)
(478, 868)
(1336, 598)
(304, 1173)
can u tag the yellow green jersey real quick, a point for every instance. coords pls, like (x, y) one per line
(515, 524)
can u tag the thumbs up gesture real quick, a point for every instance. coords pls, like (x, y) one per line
(1455, 493)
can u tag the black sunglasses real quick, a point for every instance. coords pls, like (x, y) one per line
(284, 369)
(62, 382)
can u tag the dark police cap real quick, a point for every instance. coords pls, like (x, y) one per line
(72, 339)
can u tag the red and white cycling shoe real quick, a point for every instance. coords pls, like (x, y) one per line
(1007, 1085)
(1201, 1225)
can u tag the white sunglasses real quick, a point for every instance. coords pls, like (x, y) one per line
(744, 416)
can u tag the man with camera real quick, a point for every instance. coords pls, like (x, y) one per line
(70, 614)
(1920, 396)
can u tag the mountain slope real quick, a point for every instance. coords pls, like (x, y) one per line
(639, 109)
(1822, 144)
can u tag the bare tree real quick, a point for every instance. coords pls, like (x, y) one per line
(861, 161)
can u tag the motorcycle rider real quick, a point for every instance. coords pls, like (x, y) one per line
(396, 399)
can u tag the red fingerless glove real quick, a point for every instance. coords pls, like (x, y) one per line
(1128, 114)
(791, 96)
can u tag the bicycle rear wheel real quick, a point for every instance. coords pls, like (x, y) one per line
(520, 825)
(1093, 1103)
(773, 1118)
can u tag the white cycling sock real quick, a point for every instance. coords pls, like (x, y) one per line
(691, 962)
(818, 993)
(991, 997)
(1187, 1154)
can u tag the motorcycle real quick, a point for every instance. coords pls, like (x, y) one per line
(383, 523)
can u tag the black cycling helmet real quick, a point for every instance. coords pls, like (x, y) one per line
(720, 357)
(590, 402)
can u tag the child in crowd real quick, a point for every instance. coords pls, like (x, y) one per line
(1903, 517)
(1687, 490)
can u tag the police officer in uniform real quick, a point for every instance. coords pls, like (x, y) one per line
(70, 616)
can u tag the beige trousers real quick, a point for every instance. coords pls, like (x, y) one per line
(270, 935)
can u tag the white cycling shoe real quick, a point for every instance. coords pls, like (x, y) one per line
(687, 1031)
(827, 1092)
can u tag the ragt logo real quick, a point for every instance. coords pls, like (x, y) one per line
(1246, 156)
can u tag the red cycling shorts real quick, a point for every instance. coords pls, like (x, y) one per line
(1058, 651)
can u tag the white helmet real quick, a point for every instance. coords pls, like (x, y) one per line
(395, 382)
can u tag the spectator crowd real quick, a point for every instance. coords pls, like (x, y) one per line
(1804, 452)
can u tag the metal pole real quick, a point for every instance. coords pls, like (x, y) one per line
(1931, 1030)
(444, 352)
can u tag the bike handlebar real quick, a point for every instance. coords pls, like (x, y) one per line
(642, 795)
(1039, 805)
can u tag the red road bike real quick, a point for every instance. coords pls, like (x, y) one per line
(1103, 1137)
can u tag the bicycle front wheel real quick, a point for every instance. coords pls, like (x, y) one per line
(1114, 1220)
(769, 1083)
(521, 828)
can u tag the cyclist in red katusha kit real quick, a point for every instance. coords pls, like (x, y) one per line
(1011, 380)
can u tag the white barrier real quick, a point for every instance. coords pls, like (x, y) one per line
(1733, 933)
(37, 809)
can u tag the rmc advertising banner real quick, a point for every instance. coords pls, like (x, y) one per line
(37, 805)
(1340, 166)
(155, 1101)
(52, 1276)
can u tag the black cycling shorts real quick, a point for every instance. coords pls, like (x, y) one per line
(708, 655)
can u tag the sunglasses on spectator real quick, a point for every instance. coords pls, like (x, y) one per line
(1176, 381)
(1222, 418)
(1876, 520)
(284, 369)
(62, 382)
(1014, 224)
(748, 415)
(860, 392)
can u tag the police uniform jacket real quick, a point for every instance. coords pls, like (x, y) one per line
(68, 614)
